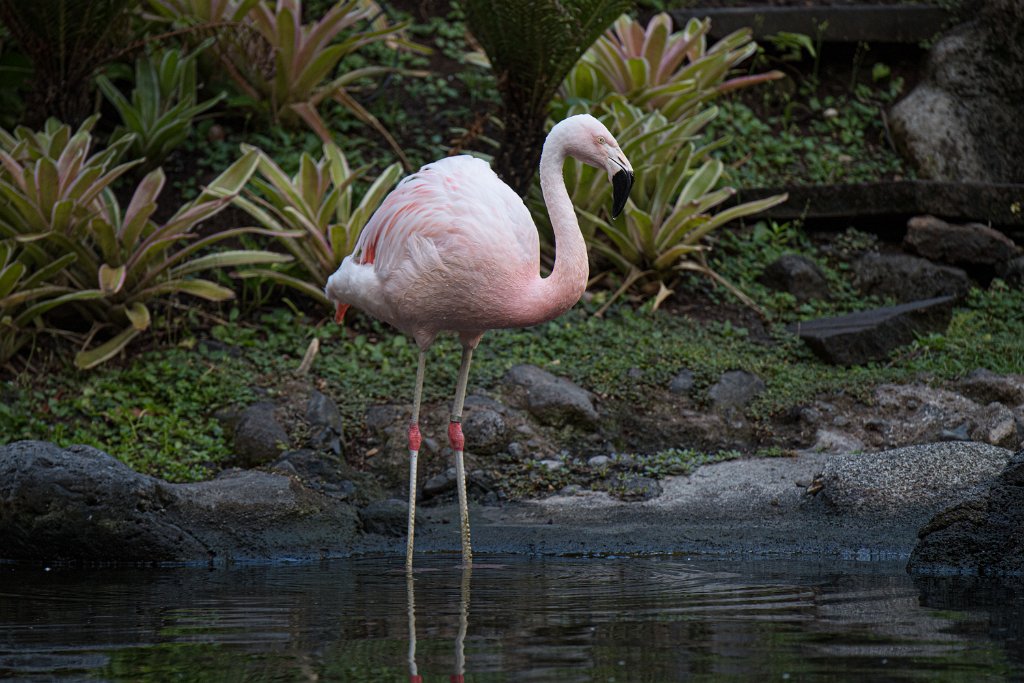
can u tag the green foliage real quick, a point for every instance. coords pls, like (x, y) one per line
(318, 211)
(58, 205)
(67, 41)
(813, 140)
(532, 45)
(289, 67)
(163, 103)
(675, 73)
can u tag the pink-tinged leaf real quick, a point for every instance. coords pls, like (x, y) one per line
(747, 81)
(46, 182)
(111, 279)
(311, 117)
(138, 315)
(141, 207)
(104, 352)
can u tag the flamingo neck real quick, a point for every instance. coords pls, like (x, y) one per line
(560, 291)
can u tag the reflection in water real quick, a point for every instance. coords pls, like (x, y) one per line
(460, 637)
(622, 619)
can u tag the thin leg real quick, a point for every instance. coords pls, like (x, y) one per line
(458, 445)
(410, 592)
(414, 449)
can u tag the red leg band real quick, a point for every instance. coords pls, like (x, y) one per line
(414, 437)
(455, 437)
(457, 678)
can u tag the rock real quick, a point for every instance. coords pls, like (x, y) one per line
(1012, 271)
(864, 336)
(965, 120)
(797, 275)
(835, 442)
(927, 477)
(551, 465)
(325, 421)
(80, 504)
(682, 383)
(258, 436)
(972, 244)
(485, 431)
(985, 386)
(317, 470)
(389, 517)
(552, 400)
(380, 418)
(735, 389)
(439, 483)
(981, 535)
(907, 278)
(599, 461)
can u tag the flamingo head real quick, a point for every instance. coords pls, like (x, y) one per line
(594, 145)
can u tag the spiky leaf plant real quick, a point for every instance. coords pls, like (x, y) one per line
(318, 211)
(532, 45)
(656, 68)
(55, 201)
(163, 103)
(67, 42)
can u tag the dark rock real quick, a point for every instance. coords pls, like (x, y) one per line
(388, 517)
(80, 504)
(985, 386)
(971, 244)
(871, 335)
(317, 470)
(485, 431)
(258, 437)
(325, 421)
(907, 278)
(552, 400)
(797, 275)
(983, 535)
(735, 389)
(439, 483)
(682, 383)
(1012, 271)
(380, 418)
(965, 119)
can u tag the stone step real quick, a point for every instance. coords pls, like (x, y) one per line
(837, 24)
(864, 336)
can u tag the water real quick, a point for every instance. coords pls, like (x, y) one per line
(509, 619)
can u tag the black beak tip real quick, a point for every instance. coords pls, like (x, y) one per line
(622, 183)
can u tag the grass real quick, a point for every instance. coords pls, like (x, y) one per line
(156, 411)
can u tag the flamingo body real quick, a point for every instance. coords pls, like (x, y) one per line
(453, 248)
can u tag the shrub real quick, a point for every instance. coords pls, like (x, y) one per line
(163, 103)
(532, 45)
(55, 200)
(289, 67)
(316, 214)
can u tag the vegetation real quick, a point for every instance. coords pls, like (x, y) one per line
(142, 252)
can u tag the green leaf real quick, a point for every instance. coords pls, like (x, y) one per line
(111, 279)
(86, 360)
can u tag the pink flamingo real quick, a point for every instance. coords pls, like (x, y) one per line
(454, 249)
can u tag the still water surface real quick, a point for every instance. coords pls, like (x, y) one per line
(509, 619)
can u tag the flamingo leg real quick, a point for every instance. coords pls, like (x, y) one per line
(458, 445)
(414, 449)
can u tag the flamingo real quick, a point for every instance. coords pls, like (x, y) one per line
(453, 249)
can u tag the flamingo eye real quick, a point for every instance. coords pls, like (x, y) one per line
(601, 140)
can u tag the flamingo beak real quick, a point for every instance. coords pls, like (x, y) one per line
(621, 173)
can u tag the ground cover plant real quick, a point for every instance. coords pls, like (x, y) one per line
(89, 264)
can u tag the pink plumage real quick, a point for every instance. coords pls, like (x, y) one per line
(454, 249)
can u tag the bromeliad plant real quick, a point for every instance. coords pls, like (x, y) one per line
(315, 213)
(297, 72)
(657, 69)
(662, 231)
(162, 104)
(55, 201)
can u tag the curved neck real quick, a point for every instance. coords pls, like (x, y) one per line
(561, 290)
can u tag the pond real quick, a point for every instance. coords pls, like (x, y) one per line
(509, 619)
